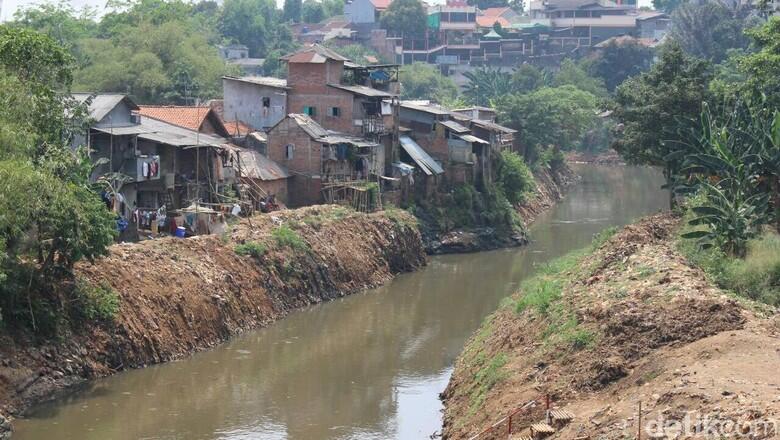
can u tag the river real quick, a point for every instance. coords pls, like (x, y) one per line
(368, 366)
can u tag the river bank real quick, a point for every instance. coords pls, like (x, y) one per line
(182, 296)
(548, 189)
(628, 320)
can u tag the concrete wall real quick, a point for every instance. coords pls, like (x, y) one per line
(244, 101)
(360, 11)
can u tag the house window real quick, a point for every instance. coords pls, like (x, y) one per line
(309, 110)
(266, 102)
(289, 149)
(334, 111)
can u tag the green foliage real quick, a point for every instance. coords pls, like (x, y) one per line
(257, 24)
(486, 84)
(575, 75)
(405, 18)
(527, 78)
(761, 68)
(558, 116)
(514, 177)
(357, 53)
(96, 303)
(287, 237)
(539, 294)
(667, 6)
(423, 81)
(291, 11)
(619, 61)
(312, 11)
(252, 248)
(658, 106)
(707, 29)
(486, 378)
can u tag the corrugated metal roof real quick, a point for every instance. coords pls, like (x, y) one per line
(314, 53)
(363, 91)
(308, 125)
(470, 138)
(427, 108)
(103, 103)
(492, 126)
(454, 126)
(268, 81)
(423, 159)
(257, 166)
(164, 133)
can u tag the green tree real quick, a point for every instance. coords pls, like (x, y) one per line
(291, 11)
(551, 116)
(708, 28)
(486, 84)
(620, 60)
(761, 68)
(657, 108)
(573, 74)
(312, 11)
(527, 78)
(251, 22)
(667, 6)
(423, 81)
(405, 17)
(357, 53)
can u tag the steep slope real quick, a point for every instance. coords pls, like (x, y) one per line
(599, 331)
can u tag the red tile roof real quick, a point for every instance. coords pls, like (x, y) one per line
(381, 4)
(190, 117)
(489, 21)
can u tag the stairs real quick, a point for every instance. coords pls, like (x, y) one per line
(556, 420)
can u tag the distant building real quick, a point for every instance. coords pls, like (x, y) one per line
(238, 55)
(365, 11)
(260, 102)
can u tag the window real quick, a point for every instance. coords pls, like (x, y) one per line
(266, 101)
(309, 110)
(289, 149)
(334, 111)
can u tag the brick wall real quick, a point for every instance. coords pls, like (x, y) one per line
(305, 165)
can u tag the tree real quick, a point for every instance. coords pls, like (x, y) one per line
(405, 17)
(571, 73)
(357, 53)
(551, 116)
(709, 28)
(312, 11)
(252, 22)
(667, 6)
(620, 60)
(527, 78)
(291, 11)
(486, 84)
(761, 68)
(49, 217)
(657, 108)
(423, 81)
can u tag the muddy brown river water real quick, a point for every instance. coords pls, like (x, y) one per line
(369, 366)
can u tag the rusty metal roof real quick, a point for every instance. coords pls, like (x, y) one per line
(363, 91)
(308, 125)
(254, 165)
(454, 126)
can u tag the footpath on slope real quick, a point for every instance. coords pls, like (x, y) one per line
(179, 296)
(629, 321)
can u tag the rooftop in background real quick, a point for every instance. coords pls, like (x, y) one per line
(314, 53)
(267, 81)
(189, 117)
(363, 91)
(495, 12)
(381, 4)
(425, 106)
(490, 20)
(103, 103)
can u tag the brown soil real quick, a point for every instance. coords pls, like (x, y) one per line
(179, 296)
(661, 334)
(608, 157)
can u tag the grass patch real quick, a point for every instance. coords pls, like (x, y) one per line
(400, 217)
(96, 302)
(486, 378)
(757, 276)
(286, 237)
(540, 293)
(251, 248)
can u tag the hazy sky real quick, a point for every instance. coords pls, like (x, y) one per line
(10, 6)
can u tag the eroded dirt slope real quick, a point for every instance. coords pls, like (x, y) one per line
(179, 296)
(633, 322)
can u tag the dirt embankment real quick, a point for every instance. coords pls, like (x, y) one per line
(549, 190)
(607, 157)
(179, 296)
(631, 321)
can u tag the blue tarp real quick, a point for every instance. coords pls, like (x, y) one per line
(420, 157)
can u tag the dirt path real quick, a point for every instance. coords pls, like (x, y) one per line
(633, 322)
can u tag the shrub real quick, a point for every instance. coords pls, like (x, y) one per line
(514, 177)
(252, 248)
(96, 302)
(287, 237)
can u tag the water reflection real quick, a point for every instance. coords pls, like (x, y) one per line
(369, 366)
